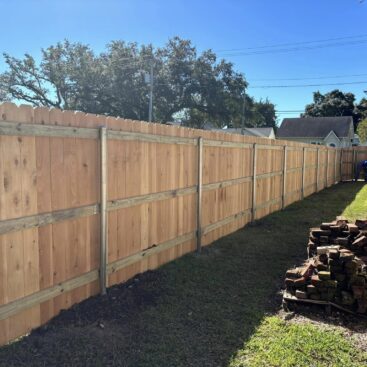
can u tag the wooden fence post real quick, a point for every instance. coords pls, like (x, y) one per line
(103, 209)
(254, 158)
(341, 166)
(284, 175)
(317, 169)
(354, 171)
(335, 160)
(199, 194)
(327, 169)
(303, 172)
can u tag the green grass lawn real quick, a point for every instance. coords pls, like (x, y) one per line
(357, 209)
(285, 344)
(280, 343)
(206, 310)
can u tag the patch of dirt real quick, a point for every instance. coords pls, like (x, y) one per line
(98, 323)
(129, 297)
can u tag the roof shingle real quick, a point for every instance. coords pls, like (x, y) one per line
(314, 127)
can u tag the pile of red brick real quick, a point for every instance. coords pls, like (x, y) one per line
(336, 270)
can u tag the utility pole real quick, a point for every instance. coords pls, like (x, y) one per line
(151, 94)
(243, 115)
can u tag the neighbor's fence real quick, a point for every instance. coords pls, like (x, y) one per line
(349, 159)
(89, 201)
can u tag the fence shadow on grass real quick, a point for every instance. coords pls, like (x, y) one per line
(195, 311)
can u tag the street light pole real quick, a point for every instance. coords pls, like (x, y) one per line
(151, 94)
(243, 115)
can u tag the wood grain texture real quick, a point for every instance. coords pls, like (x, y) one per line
(50, 196)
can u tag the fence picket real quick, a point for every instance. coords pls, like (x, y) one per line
(161, 191)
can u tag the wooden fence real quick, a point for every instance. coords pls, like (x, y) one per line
(349, 159)
(89, 201)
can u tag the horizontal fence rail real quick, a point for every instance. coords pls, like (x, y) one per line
(16, 224)
(89, 201)
(13, 129)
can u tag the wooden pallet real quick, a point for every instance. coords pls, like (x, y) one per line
(290, 298)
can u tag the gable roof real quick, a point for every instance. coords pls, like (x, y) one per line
(314, 127)
(331, 133)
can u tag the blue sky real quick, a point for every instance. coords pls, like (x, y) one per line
(29, 25)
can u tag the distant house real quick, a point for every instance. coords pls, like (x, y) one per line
(330, 131)
(206, 126)
(357, 142)
(260, 132)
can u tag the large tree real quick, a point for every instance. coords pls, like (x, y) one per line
(361, 109)
(337, 103)
(362, 130)
(263, 114)
(187, 85)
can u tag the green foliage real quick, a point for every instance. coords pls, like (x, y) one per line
(362, 130)
(195, 87)
(277, 343)
(361, 109)
(337, 103)
(263, 114)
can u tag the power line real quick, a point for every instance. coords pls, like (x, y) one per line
(130, 61)
(131, 58)
(266, 49)
(304, 85)
(309, 78)
(137, 63)
(293, 43)
(208, 84)
(132, 67)
(293, 49)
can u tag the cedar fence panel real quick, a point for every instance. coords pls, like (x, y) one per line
(347, 164)
(50, 200)
(360, 153)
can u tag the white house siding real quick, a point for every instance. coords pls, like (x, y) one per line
(318, 141)
(332, 141)
(342, 143)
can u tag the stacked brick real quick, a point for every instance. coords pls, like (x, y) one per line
(336, 270)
